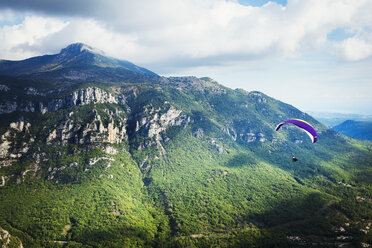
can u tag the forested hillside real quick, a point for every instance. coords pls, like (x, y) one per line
(97, 152)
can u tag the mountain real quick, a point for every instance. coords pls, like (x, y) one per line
(356, 129)
(126, 158)
(334, 119)
(78, 62)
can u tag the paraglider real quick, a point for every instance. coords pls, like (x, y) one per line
(303, 125)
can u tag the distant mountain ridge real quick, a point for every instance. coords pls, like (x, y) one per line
(356, 129)
(334, 119)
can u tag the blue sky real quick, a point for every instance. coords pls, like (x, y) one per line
(313, 54)
(339, 34)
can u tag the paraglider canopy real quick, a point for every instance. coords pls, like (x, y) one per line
(303, 125)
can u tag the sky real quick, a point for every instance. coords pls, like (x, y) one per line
(313, 54)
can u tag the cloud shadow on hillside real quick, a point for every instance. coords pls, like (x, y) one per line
(240, 160)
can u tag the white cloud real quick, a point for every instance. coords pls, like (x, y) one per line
(192, 31)
(355, 49)
(24, 40)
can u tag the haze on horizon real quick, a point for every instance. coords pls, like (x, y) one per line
(313, 54)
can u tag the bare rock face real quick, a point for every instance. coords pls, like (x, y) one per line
(4, 88)
(230, 132)
(82, 97)
(20, 126)
(199, 133)
(2, 181)
(4, 237)
(257, 97)
(262, 138)
(10, 148)
(33, 169)
(218, 147)
(248, 137)
(8, 107)
(111, 150)
(33, 91)
(7, 240)
(5, 144)
(156, 121)
(94, 131)
(11, 106)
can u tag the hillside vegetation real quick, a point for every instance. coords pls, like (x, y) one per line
(96, 161)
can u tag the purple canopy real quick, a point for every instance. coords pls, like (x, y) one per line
(303, 125)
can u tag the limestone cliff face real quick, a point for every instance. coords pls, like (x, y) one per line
(82, 97)
(15, 142)
(7, 240)
(77, 98)
(94, 131)
(151, 126)
(152, 122)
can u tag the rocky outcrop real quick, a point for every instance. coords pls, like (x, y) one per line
(20, 126)
(261, 137)
(151, 126)
(248, 137)
(2, 181)
(33, 91)
(93, 161)
(200, 84)
(27, 106)
(8, 107)
(52, 172)
(251, 137)
(4, 88)
(4, 238)
(111, 150)
(5, 144)
(217, 146)
(94, 131)
(245, 134)
(199, 133)
(10, 147)
(33, 168)
(230, 132)
(152, 122)
(82, 97)
(7, 240)
(11, 106)
(257, 97)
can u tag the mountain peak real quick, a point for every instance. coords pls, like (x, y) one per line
(77, 48)
(78, 56)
